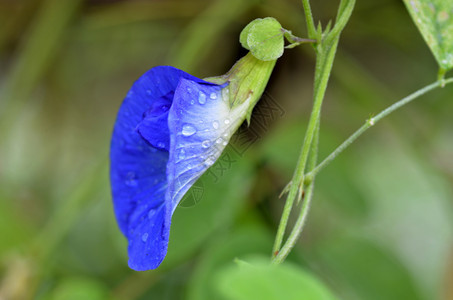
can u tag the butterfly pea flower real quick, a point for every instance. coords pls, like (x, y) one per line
(170, 128)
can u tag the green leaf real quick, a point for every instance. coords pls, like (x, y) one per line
(434, 19)
(242, 242)
(264, 38)
(263, 281)
(363, 270)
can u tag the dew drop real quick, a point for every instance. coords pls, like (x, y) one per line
(188, 130)
(182, 154)
(219, 141)
(202, 98)
(227, 121)
(215, 124)
(189, 89)
(192, 102)
(145, 237)
(151, 213)
(161, 145)
(213, 96)
(224, 143)
(209, 161)
(205, 144)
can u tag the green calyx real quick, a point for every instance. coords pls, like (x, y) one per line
(265, 38)
(246, 80)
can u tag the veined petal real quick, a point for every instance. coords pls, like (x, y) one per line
(201, 123)
(139, 156)
(136, 168)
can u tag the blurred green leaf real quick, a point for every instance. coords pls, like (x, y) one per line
(263, 281)
(434, 19)
(243, 241)
(411, 208)
(80, 288)
(362, 270)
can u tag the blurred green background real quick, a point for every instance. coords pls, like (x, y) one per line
(381, 224)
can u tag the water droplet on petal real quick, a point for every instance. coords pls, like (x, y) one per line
(189, 89)
(145, 237)
(188, 130)
(182, 154)
(161, 145)
(151, 213)
(206, 144)
(215, 124)
(209, 161)
(202, 98)
(213, 96)
(219, 141)
(224, 143)
(227, 121)
(192, 102)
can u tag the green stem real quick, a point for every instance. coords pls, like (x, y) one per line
(297, 230)
(325, 54)
(309, 19)
(299, 225)
(322, 73)
(372, 121)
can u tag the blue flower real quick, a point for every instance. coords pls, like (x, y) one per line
(169, 130)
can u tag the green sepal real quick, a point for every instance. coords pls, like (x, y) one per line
(246, 80)
(264, 38)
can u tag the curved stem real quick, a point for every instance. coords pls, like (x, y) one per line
(297, 230)
(372, 121)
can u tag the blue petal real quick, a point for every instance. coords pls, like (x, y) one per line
(202, 123)
(139, 156)
(153, 127)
